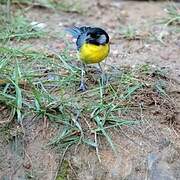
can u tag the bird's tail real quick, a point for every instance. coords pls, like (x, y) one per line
(77, 31)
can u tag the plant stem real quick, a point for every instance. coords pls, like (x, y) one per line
(8, 10)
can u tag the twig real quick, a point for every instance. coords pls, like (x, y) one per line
(15, 170)
(60, 162)
(70, 165)
(97, 150)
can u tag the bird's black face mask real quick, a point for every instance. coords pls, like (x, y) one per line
(97, 37)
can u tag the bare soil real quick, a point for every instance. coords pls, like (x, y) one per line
(150, 150)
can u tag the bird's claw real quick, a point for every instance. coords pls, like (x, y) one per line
(104, 79)
(82, 87)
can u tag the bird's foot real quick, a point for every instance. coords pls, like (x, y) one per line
(104, 79)
(82, 87)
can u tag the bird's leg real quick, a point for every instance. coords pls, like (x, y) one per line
(82, 86)
(103, 75)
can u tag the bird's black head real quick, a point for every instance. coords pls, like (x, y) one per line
(97, 36)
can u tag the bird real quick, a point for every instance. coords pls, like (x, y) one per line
(92, 45)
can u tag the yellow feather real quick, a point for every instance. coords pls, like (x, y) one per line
(90, 53)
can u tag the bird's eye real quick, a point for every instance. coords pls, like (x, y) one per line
(94, 35)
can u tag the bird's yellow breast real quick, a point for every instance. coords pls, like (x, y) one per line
(90, 53)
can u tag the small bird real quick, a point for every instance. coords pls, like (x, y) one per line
(92, 45)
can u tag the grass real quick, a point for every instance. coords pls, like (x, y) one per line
(63, 5)
(129, 33)
(45, 86)
(36, 87)
(168, 25)
(173, 13)
(19, 28)
(33, 83)
(64, 171)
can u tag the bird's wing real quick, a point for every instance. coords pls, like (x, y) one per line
(81, 40)
(79, 33)
(74, 31)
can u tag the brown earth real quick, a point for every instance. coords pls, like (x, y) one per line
(150, 150)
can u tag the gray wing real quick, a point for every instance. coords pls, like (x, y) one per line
(81, 40)
(79, 33)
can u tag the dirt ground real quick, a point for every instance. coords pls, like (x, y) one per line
(150, 150)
